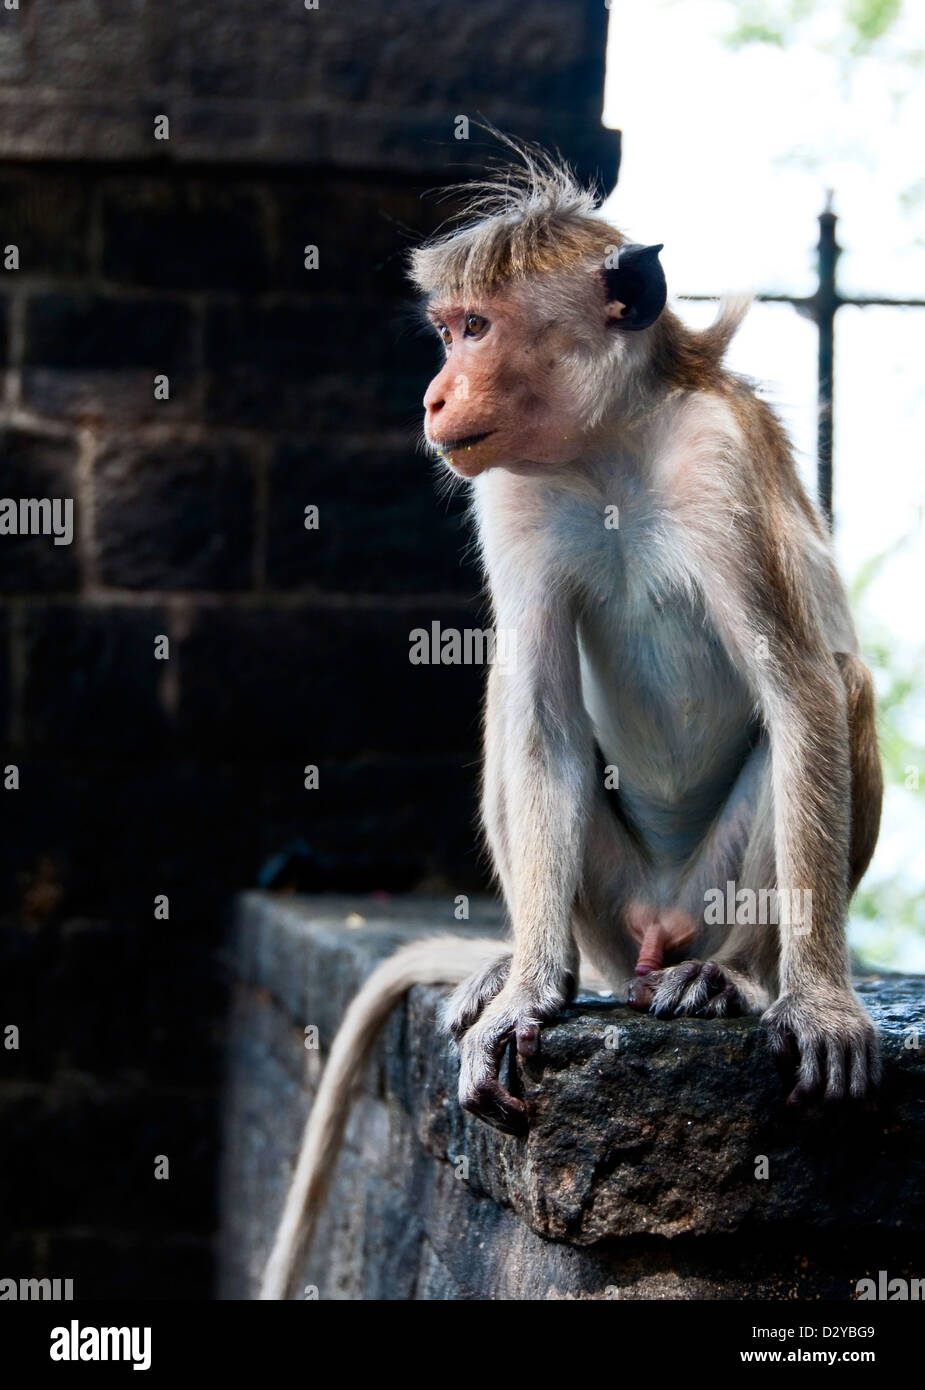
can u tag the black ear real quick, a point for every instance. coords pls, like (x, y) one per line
(638, 283)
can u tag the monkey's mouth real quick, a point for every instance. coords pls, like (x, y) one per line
(453, 446)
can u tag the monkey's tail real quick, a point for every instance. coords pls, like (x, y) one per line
(434, 960)
(731, 312)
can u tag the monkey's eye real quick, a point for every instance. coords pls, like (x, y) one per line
(445, 334)
(476, 326)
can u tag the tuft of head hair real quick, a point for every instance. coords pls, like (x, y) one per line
(532, 217)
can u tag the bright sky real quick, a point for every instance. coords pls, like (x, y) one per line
(727, 157)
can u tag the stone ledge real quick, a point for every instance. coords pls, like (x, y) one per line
(653, 1140)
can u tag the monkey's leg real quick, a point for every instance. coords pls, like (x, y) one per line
(613, 879)
(866, 772)
(537, 792)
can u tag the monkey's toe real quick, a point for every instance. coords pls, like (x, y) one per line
(694, 989)
(489, 1101)
(827, 1054)
(466, 1003)
(515, 1016)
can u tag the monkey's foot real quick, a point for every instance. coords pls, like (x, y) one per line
(514, 1015)
(469, 999)
(694, 989)
(828, 1040)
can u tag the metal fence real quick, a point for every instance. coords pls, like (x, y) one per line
(822, 307)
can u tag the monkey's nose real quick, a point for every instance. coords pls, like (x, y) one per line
(434, 398)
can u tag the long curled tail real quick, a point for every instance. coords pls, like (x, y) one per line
(434, 960)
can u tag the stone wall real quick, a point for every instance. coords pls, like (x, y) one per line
(137, 777)
(662, 1161)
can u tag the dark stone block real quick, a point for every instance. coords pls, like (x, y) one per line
(47, 215)
(314, 683)
(6, 753)
(82, 330)
(292, 365)
(36, 466)
(374, 825)
(131, 1264)
(27, 960)
(389, 531)
(95, 961)
(92, 684)
(363, 231)
(175, 515)
(194, 235)
(103, 840)
(92, 46)
(81, 1153)
(105, 397)
(93, 358)
(165, 1001)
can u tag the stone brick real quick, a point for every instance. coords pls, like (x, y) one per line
(388, 531)
(92, 45)
(101, 837)
(81, 1153)
(36, 466)
(14, 63)
(47, 215)
(384, 824)
(363, 231)
(316, 683)
(175, 515)
(93, 358)
(91, 682)
(183, 234)
(27, 960)
(165, 1000)
(131, 1264)
(82, 329)
(5, 688)
(290, 365)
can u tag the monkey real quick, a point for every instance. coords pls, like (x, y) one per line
(686, 708)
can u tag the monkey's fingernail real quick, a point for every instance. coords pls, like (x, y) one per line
(640, 997)
(528, 1040)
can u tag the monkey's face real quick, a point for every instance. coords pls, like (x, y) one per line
(502, 396)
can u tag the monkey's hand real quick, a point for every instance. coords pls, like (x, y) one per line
(696, 989)
(514, 1014)
(829, 1039)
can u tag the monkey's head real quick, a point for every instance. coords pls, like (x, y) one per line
(542, 308)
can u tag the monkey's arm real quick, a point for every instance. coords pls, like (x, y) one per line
(538, 782)
(761, 599)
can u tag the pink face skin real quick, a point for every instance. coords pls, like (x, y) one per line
(499, 397)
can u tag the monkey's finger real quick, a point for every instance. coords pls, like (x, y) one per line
(809, 1081)
(727, 1004)
(865, 1068)
(838, 1057)
(528, 1039)
(468, 1000)
(640, 996)
(493, 1104)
